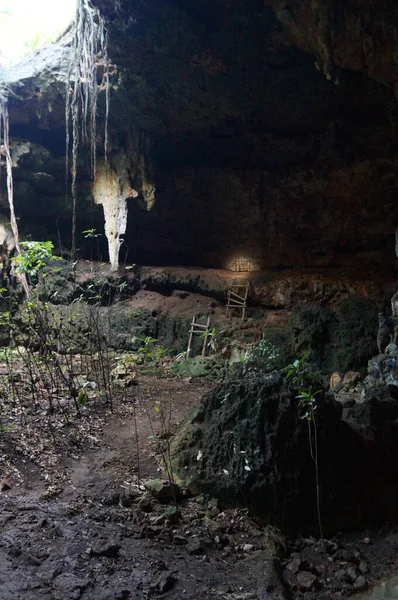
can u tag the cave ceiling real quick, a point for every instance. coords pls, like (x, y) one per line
(296, 101)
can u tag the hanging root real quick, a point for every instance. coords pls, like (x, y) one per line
(89, 41)
(5, 140)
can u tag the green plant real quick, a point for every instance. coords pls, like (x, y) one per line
(299, 374)
(5, 354)
(307, 404)
(265, 354)
(127, 359)
(146, 350)
(33, 258)
(161, 419)
(300, 377)
(210, 337)
(150, 350)
(307, 408)
(91, 233)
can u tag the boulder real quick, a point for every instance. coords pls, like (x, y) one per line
(248, 445)
(351, 379)
(164, 491)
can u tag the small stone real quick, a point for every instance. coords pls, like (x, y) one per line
(306, 580)
(5, 484)
(351, 379)
(153, 530)
(111, 500)
(248, 548)
(163, 490)
(360, 582)
(294, 565)
(351, 574)
(213, 504)
(180, 540)
(163, 582)
(335, 380)
(173, 515)
(366, 540)
(108, 550)
(127, 500)
(288, 578)
(145, 505)
(194, 546)
(159, 520)
(222, 540)
(165, 535)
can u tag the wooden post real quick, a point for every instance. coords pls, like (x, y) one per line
(201, 329)
(237, 297)
(190, 337)
(206, 332)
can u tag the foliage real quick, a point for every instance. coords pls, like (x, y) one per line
(299, 374)
(265, 356)
(211, 338)
(126, 359)
(91, 233)
(307, 404)
(149, 350)
(34, 257)
(266, 353)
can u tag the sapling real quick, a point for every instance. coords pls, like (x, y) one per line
(299, 375)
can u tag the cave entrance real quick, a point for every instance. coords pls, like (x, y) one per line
(28, 25)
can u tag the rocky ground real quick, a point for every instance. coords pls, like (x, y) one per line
(83, 437)
(83, 516)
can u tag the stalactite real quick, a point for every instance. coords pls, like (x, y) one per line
(108, 191)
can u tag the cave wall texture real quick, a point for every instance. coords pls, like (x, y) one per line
(272, 127)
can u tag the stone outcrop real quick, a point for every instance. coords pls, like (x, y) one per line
(359, 35)
(247, 444)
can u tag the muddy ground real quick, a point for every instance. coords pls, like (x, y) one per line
(76, 520)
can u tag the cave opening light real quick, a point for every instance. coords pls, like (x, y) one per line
(26, 26)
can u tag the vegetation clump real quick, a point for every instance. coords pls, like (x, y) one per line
(34, 256)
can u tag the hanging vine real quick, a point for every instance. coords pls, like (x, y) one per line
(5, 141)
(89, 43)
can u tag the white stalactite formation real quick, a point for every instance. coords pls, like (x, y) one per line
(108, 191)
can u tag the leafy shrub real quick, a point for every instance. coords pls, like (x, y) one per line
(34, 257)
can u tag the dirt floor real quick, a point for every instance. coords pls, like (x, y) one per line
(77, 521)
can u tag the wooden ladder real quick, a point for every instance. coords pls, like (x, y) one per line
(203, 330)
(237, 297)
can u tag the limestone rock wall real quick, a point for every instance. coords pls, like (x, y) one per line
(257, 154)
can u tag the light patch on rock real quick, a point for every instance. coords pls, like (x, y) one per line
(7, 241)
